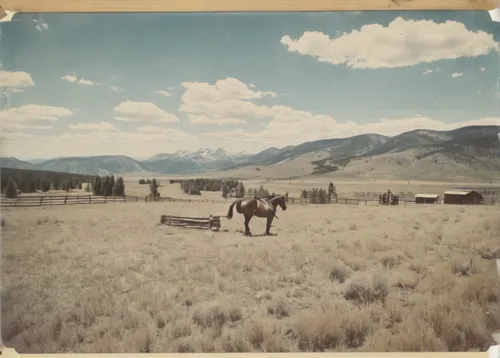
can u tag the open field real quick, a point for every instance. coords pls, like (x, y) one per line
(106, 278)
(345, 188)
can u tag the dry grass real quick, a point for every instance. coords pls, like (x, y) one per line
(105, 278)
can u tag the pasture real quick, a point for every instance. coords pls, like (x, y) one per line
(106, 278)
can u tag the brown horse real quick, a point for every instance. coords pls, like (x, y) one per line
(262, 208)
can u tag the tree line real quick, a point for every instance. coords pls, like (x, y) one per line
(108, 186)
(195, 186)
(15, 181)
(320, 195)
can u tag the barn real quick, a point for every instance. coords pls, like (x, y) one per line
(427, 199)
(462, 197)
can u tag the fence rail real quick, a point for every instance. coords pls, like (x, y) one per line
(54, 200)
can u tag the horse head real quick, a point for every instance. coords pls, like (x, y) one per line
(277, 200)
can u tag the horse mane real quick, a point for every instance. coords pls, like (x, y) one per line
(271, 197)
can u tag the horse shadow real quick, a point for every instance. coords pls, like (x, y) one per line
(256, 235)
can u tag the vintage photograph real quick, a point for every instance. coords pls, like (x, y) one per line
(250, 182)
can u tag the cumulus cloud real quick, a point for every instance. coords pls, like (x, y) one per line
(402, 43)
(280, 134)
(83, 141)
(81, 81)
(42, 26)
(14, 90)
(170, 133)
(285, 125)
(15, 127)
(116, 88)
(482, 69)
(93, 127)
(193, 119)
(163, 93)
(143, 112)
(17, 120)
(16, 79)
(457, 74)
(34, 113)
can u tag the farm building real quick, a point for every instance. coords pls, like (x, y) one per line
(462, 197)
(427, 199)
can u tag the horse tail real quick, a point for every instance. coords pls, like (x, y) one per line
(238, 209)
(230, 212)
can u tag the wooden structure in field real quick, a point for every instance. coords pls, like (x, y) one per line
(388, 198)
(208, 223)
(462, 197)
(427, 199)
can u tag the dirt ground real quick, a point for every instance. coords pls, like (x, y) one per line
(106, 278)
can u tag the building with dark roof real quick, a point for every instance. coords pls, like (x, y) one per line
(462, 197)
(427, 199)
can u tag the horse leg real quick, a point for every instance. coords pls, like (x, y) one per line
(247, 228)
(268, 225)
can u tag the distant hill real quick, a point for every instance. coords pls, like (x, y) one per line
(472, 151)
(14, 163)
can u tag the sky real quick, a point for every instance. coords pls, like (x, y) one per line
(142, 84)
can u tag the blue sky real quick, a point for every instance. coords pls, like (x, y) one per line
(141, 84)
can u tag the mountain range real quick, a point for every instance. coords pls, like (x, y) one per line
(466, 147)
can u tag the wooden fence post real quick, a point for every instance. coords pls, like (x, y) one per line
(41, 199)
(105, 199)
(65, 199)
(90, 199)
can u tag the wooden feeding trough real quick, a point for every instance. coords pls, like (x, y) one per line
(206, 223)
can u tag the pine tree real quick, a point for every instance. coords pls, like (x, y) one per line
(97, 189)
(153, 188)
(10, 191)
(119, 187)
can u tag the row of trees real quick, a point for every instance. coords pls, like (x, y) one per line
(195, 186)
(109, 186)
(320, 195)
(145, 181)
(31, 181)
(15, 181)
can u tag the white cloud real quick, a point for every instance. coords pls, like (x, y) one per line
(170, 133)
(97, 127)
(402, 43)
(193, 119)
(70, 78)
(427, 71)
(42, 26)
(143, 111)
(15, 79)
(34, 113)
(285, 125)
(83, 142)
(457, 74)
(280, 134)
(84, 82)
(16, 121)
(163, 93)
(482, 69)
(73, 78)
(116, 88)
(15, 127)
(14, 90)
